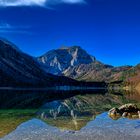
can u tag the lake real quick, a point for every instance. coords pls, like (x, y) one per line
(66, 115)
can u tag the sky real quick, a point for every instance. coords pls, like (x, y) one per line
(106, 29)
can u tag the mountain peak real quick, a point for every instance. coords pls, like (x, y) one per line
(57, 61)
(68, 48)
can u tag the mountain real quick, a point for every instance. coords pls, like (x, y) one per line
(20, 69)
(57, 67)
(132, 77)
(57, 61)
(96, 71)
(76, 63)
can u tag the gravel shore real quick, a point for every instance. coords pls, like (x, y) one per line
(102, 128)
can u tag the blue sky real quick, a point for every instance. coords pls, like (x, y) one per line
(107, 29)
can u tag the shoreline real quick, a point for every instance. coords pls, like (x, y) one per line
(63, 88)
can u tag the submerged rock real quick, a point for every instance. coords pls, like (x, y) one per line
(130, 111)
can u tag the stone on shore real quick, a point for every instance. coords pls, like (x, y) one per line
(130, 111)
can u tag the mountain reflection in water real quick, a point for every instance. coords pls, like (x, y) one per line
(67, 110)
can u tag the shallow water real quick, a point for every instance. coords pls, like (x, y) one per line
(49, 115)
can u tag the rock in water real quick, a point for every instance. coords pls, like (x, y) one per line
(126, 111)
(130, 108)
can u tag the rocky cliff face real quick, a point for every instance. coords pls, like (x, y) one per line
(58, 61)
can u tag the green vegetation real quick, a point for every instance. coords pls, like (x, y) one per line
(10, 119)
(67, 123)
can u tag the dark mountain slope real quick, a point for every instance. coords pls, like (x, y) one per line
(20, 69)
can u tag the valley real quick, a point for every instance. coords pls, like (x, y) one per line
(67, 66)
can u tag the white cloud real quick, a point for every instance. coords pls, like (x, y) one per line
(4, 25)
(7, 3)
(7, 28)
(73, 1)
(22, 2)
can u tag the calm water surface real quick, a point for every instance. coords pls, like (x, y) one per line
(58, 115)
